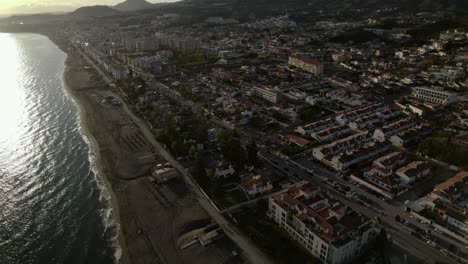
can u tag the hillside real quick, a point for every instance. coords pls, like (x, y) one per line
(133, 5)
(95, 11)
(267, 7)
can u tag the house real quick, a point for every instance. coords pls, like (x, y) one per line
(255, 185)
(391, 160)
(224, 170)
(358, 155)
(383, 179)
(453, 190)
(299, 141)
(455, 217)
(410, 135)
(316, 126)
(385, 132)
(450, 199)
(414, 171)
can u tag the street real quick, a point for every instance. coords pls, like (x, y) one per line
(384, 211)
(314, 173)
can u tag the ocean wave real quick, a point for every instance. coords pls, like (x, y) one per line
(107, 216)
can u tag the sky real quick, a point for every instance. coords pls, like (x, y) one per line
(41, 6)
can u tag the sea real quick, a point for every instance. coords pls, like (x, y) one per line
(53, 206)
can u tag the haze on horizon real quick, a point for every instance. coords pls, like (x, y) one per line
(8, 7)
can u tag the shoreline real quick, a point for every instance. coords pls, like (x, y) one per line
(98, 169)
(151, 219)
(95, 159)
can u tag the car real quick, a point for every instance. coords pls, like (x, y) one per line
(432, 244)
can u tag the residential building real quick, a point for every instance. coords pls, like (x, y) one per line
(361, 154)
(269, 94)
(383, 179)
(414, 171)
(328, 229)
(316, 126)
(299, 141)
(394, 128)
(410, 135)
(434, 95)
(224, 170)
(454, 190)
(331, 133)
(309, 65)
(254, 185)
(391, 160)
(450, 200)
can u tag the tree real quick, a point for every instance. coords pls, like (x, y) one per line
(381, 240)
(201, 131)
(234, 152)
(200, 172)
(223, 136)
(252, 150)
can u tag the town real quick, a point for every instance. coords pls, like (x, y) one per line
(320, 138)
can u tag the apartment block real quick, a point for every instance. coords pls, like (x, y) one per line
(309, 65)
(269, 94)
(435, 95)
(328, 229)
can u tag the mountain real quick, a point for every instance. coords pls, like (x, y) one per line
(133, 5)
(95, 11)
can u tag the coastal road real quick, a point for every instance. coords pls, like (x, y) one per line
(256, 256)
(252, 252)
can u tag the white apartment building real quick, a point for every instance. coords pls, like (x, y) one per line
(326, 228)
(268, 94)
(435, 95)
(309, 65)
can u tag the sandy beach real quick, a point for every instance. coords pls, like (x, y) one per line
(152, 219)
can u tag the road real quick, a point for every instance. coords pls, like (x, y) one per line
(251, 251)
(419, 248)
(401, 236)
